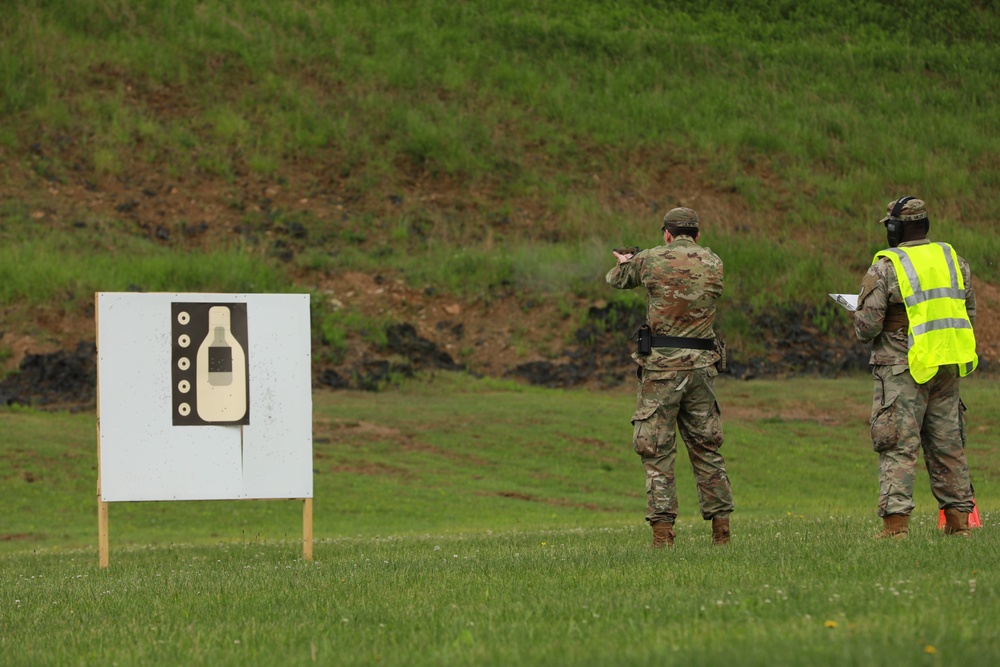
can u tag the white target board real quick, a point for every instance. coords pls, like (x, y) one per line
(204, 396)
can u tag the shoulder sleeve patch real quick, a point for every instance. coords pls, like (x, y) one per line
(868, 285)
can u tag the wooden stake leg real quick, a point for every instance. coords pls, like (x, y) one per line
(102, 533)
(307, 529)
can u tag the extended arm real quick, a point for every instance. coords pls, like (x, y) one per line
(625, 274)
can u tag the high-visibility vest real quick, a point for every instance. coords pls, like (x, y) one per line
(933, 292)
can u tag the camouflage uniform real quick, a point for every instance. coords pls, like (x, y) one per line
(907, 416)
(677, 385)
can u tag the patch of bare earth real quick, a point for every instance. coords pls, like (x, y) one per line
(487, 336)
(988, 322)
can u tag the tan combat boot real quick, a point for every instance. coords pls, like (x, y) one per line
(895, 526)
(663, 534)
(720, 531)
(956, 523)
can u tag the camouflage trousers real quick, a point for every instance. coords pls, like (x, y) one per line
(684, 401)
(908, 417)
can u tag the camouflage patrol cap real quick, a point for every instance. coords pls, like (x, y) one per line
(681, 217)
(910, 211)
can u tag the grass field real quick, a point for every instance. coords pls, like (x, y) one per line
(465, 521)
(473, 149)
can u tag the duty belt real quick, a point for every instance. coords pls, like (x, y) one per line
(647, 341)
(681, 341)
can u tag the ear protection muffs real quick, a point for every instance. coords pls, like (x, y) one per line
(893, 225)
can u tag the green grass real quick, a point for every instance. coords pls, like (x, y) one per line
(477, 454)
(788, 591)
(555, 130)
(74, 264)
(468, 521)
(842, 101)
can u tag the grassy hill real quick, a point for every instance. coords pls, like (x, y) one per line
(464, 168)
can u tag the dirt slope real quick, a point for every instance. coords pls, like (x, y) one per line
(502, 336)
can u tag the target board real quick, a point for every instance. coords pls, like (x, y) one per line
(204, 396)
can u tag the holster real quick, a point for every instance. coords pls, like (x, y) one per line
(643, 336)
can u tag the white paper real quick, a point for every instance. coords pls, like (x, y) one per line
(848, 301)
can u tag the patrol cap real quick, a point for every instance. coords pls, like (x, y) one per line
(909, 211)
(681, 217)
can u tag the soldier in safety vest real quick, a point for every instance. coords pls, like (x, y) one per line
(917, 308)
(677, 357)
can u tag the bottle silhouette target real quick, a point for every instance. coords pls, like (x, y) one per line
(221, 376)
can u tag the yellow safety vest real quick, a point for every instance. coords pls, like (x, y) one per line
(933, 291)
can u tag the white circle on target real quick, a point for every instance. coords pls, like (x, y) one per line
(183, 317)
(184, 409)
(184, 386)
(184, 340)
(183, 363)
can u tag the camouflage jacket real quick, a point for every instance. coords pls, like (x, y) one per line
(683, 281)
(881, 315)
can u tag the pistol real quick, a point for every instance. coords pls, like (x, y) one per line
(627, 250)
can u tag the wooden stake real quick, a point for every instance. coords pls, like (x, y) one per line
(307, 529)
(102, 532)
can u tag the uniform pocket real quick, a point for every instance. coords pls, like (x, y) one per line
(961, 420)
(885, 432)
(644, 428)
(714, 442)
